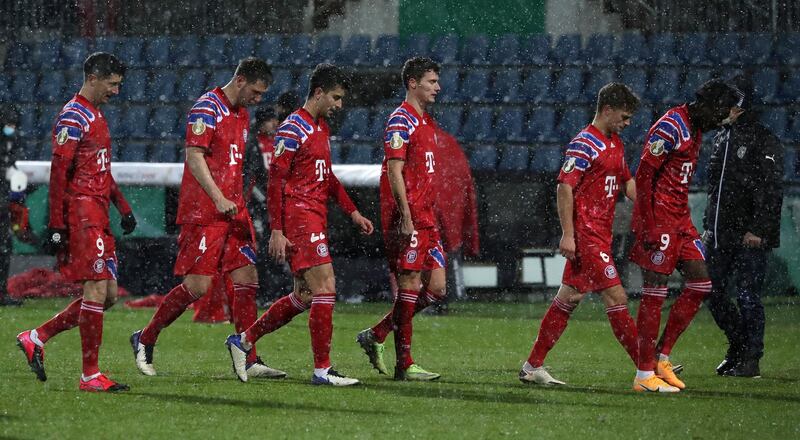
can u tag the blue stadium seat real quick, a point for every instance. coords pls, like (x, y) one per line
(567, 50)
(356, 124)
(791, 169)
(282, 81)
(73, 80)
(475, 50)
(162, 86)
(505, 87)
(270, 49)
(217, 78)
(241, 46)
(664, 86)
(793, 130)
(378, 124)
(536, 86)
(387, 50)
(23, 86)
(662, 49)
(569, 86)
(535, 49)
(572, 121)
(775, 119)
(165, 152)
(185, 51)
(191, 85)
(415, 45)
(28, 119)
(515, 158)
(35, 149)
(133, 151)
(134, 85)
(475, 85)
(46, 54)
(635, 78)
(790, 89)
(450, 120)
(448, 80)
(164, 122)
(302, 83)
(483, 158)
(723, 48)
(786, 50)
(156, 52)
(634, 134)
(547, 159)
(444, 49)
(478, 125)
(74, 52)
(361, 154)
(113, 115)
(336, 153)
(695, 77)
(5, 83)
(509, 125)
(756, 48)
(630, 49)
(765, 85)
(51, 86)
(297, 50)
(18, 55)
(215, 52)
(325, 49)
(692, 49)
(135, 121)
(541, 127)
(105, 43)
(356, 52)
(597, 79)
(599, 48)
(47, 116)
(505, 51)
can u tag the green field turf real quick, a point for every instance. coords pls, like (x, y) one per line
(478, 349)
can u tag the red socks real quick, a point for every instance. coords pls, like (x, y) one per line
(553, 324)
(90, 324)
(279, 314)
(385, 326)
(64, 320)
(682, 312)
(402, 317)
(624, 329)
(648, 321)
(245, 311)
(320, 325)
(171, 308)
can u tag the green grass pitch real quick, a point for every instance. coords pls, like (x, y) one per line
(478, 349)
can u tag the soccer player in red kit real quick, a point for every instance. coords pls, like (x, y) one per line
(300, 185)
(81, 189)
(593, 173)
(216, 231)
(666, 239)
(413, 245)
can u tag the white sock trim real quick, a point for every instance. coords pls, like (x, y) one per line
(641, 375)
(663, 357)
(93, 376)
(35, 338)
(245, 343)
(321, 372)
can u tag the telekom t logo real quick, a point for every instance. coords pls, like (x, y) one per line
(102, 158)
(611, 186)
(686, 171)
(429, 161)
(320, 169)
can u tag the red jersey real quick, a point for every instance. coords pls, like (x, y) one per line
(81, 140)
(266, 145)
(411, 138)
(595, 168)
(221, 131)
(672, 149)
(300, 177)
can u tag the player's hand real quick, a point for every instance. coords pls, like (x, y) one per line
(54, 240)
(128, 223)
(225, 206)
(362, 222)
(751, 240)
(567, 247)
(656, 239)
(406, 227)
(278, 246)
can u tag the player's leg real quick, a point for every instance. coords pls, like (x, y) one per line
(750, 271)
(90, 325)
(616, 302)
(648, 322)
(723, 310)
(552, 327)
(433, 289)
(31, 342)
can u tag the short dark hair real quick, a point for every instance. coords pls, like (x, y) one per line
(265, 114)
(327, 77)
(254, 69)
(617, 96)
(103, 65)
(415, 68)
(716, 93)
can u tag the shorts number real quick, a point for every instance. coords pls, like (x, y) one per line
(605, 257)
(317, 237)
(664, 242)
(202, 246)
(101, 247)
(414, 240)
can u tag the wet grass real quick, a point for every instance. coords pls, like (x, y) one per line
(478, 349)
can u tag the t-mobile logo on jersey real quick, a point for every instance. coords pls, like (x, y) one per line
(235, 154)
(102, 158)
(429, 162)
(321, 169)
(611, 186)
(686, 172)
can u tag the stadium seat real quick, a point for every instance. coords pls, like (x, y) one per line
(165, 152)
(73, 80)
(662, 49)
(105, 43)
(5, 83)
(18, 55)
(164, 122)
(74, 52)
(790, 89)
(572, 121)
(535, 49)
(191, 85)
(296, 50)
(791, 168)
(217, 78)
(162, 86)
(336, 153)
(387, 49)
(215, 52)
(270, 49)
(28, 118)
(133, 151)
(51, 86)
(444, 49)
(356, 52)
(355, 124)
(361, 154)
(450, 120)
(793, 130)
(635, 78)
(241, 46)
(35, 149)
(541, 127)
(325, 49)
(692, 49)
(597, 79)
(569, 86)
(156, 53)
(475, 50)
(378, 124)
(599, 48)
(113, 115)
(185, 51)
(505, 51)
(416, 45)
(483, 158)
(515, 158)
(664, 86)
(46, 54)
(282, 81)
(547, 159)
(634, 134)
(475, 85)
(46, 119)
(23, 86)
(775, 119)
(136, 120)
(505, 87)
(756, 48)
(478, 125)
(630, 49)
(567, 50)
(723, 48)
(536, 86)
(695, 77)
(765, 85)
(302, 83)
(509, 125)
(786, 50)
(448, 80)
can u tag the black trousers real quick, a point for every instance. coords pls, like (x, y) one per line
(743, 270)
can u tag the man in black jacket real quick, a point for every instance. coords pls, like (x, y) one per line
(742, 225)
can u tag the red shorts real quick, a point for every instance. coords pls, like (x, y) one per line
(308, 249)
(90, 255)
(423, 252)
(213, 249)
(674, 248)
(593, 270)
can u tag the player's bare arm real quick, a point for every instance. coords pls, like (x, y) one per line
(565, 200)
(398, 186)
(278, 245)
(630, 190)
(363, 223)
(195, 160)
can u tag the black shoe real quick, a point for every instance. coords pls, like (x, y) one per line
(9, 301)
(725, 366)
(746, 368)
